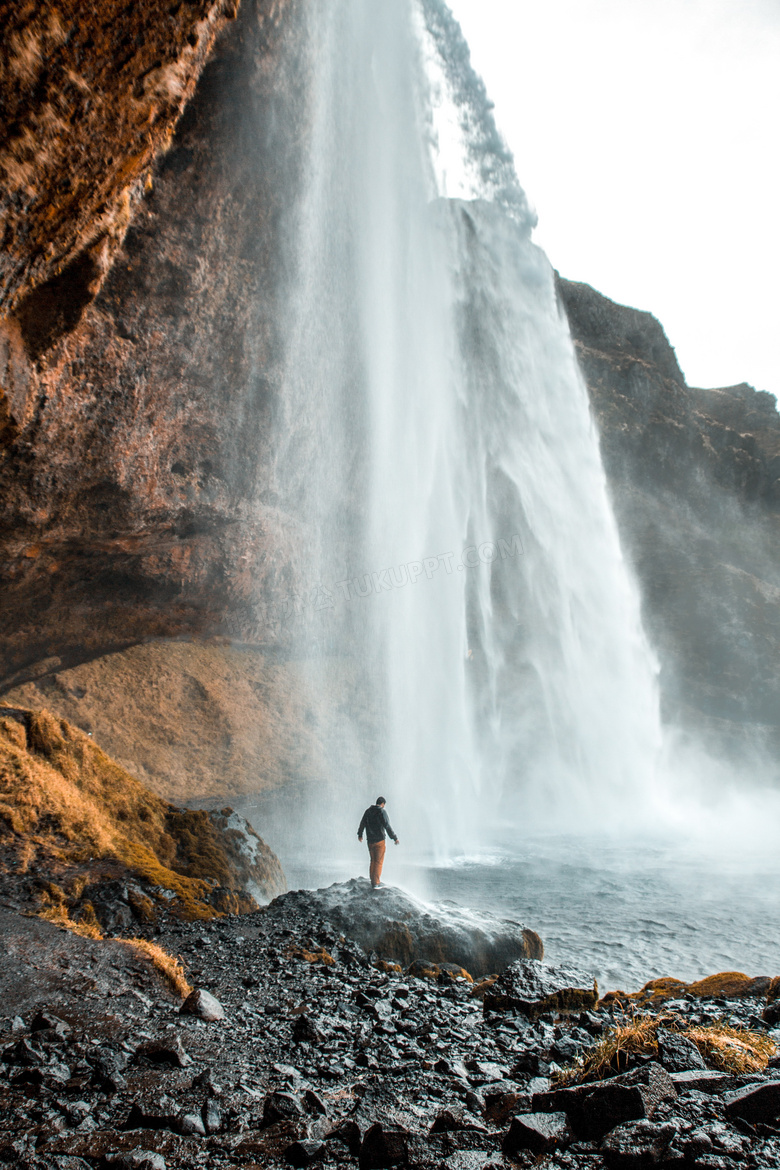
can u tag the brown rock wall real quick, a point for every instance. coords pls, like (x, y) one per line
(135, 442)
(88, 99)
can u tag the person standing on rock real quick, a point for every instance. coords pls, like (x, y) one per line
(376, 827)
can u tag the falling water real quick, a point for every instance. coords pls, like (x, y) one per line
(473, 621)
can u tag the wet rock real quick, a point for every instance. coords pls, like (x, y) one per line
(212, 1116)
(640, 1144)
(135, 1160)
(383, 1146)
(191, 1124)
(24, 1053)
(304, 1152)
(281, 1107)
(676, 1053)
(305, 1031)
(594, 1109)
(529, 1064)
(48, 1022)
(401, 928)
(535, 988)
(501, 1105)
(108, 1069)
(167, 1050)
(448, 1122)
(140, 1117)
(703, 1081)
(538, 1132)
(565, 1050)
(753, 1103)
(347, 1133)
(202, 1004)
(771, 1013)
(313, 1104)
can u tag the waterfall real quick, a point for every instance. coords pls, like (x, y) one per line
(469, 613)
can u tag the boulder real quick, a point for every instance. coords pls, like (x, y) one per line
(304, 1152)
(758, 1102)
(676, 1053)
(640, 1144)
(202, 1004)
(281, 1107)
(534, 988)
(305, 1031)
(402, 928)
(166, 1050)
(383, 1146)
(594, 1109)
(135, 1160)
(538, 1132)
(707, 1080)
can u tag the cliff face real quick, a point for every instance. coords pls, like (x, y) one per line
(695, 482)
(87, 102)
(136, 403)
(140, 386)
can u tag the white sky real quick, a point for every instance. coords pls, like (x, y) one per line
(646, 134)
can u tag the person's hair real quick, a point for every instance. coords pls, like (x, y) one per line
(381, 800)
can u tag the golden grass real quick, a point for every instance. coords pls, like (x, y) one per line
(723, 1047)
(320, 955)
(730, 1049)
(729, 984)
(61, 794)
(169, 967)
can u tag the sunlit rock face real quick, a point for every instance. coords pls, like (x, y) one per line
(89, 98)
(137, 393)
(695, 482)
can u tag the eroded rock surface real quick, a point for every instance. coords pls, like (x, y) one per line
(399, 927)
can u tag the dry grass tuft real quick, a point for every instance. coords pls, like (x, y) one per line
(730, 1049)
(723, 1047)
(55, 909)
(61, 795)
(169, 967)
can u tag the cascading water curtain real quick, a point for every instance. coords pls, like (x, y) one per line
(481, 640)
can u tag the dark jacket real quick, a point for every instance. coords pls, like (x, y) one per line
(376, 824)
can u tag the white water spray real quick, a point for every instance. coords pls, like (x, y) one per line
(437, 446)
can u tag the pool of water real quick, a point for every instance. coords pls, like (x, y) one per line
(625, 912)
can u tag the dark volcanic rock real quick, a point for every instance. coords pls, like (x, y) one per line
(383, 1146)
(204, 1005)
(390, 1084)
(755, 1102)
(676, 1053)
(538, 1132)
(534, 988)
(399, 926)
(594, 1109)
(705, 1081)
(640, 1144)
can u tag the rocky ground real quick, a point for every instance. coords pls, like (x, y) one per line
(323, 1055)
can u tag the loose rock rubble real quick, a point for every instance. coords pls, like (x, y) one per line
(320, 1058)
